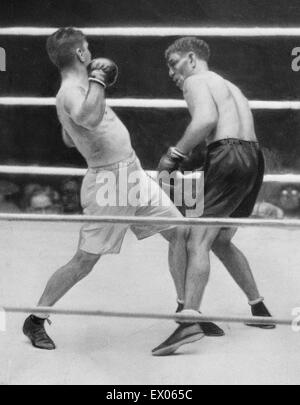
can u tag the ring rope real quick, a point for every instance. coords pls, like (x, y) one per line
(45, 171)
(214, 222)
(70, 171)
(148, 103)
(163, 31)
(146, 315)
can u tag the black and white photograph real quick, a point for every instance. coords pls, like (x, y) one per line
(149, 195)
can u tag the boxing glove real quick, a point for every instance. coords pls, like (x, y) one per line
(171, 160)
(104, 71)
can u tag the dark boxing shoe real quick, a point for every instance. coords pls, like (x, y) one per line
(260, 309)
(185, 333)
(34, 329)
(180, 307)
(209, 328)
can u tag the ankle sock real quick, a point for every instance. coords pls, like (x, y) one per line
(256, 301)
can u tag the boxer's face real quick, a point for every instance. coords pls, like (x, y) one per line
(180, 67)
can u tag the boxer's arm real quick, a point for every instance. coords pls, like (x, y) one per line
(67, 139)
(86, 108)
(203, 112)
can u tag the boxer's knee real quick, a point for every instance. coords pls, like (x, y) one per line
(82, 264)
(197, 249)
(200, 239)
(223, 242)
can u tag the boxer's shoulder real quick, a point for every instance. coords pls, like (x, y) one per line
(205, 80)
(70, 94)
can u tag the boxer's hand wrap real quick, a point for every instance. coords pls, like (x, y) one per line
(96, 76)
(103, 71)
(171, 160)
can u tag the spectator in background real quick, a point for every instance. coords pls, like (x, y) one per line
(7, 191)
(41, 200)
(28, 191)
(55, 199)
(289, 200)
(70, 196)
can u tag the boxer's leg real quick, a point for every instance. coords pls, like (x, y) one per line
(198, 268)
(177, 257)
(67, 276)
(235, 262)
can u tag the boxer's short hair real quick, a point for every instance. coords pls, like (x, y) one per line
(189, 44)
(62, 44)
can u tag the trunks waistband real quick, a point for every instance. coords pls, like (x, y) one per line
(232, 141)
(114, 166)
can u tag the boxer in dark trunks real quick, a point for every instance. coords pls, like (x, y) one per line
(222, 120)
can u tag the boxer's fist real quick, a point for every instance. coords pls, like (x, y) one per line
(104, 70)
(171, 160)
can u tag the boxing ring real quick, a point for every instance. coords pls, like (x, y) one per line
(106, 326)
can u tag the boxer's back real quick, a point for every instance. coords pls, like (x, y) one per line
(235, 118)
(108, 143)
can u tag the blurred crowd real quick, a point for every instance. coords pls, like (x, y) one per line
(41, 199)
(64, 198)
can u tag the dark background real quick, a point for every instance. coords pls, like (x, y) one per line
(260, 66)
(150, 12)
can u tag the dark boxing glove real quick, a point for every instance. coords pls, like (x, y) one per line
(103, 71)
(171, 160)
